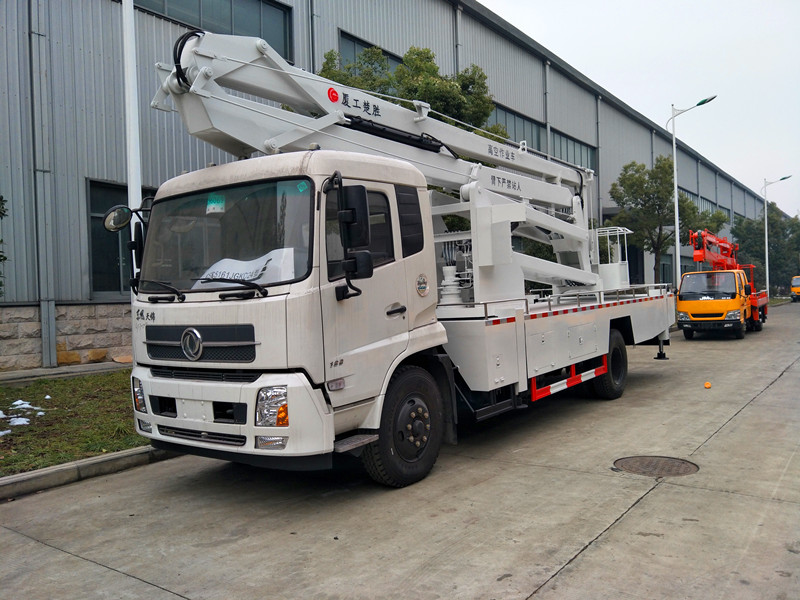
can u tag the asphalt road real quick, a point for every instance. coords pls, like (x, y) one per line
(529, 505)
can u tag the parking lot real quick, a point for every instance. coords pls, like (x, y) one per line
(530, 505)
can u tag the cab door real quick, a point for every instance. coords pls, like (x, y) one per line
(364, 334)
(744, 301)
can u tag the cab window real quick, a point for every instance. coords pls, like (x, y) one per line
(380, 228)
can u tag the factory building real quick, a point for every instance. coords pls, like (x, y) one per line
(63, 148)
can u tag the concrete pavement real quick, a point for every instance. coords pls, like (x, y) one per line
(529, 505)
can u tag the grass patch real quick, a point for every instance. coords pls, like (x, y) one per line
(83, 416)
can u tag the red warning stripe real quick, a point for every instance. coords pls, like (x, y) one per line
(566, 311)
(572, 380)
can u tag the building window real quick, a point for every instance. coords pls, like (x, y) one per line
(666, 272)
(258, 18)
(706, 205)
(110, 257)
(691, 195)
(350, 47)
(519, 128)
(572, 151)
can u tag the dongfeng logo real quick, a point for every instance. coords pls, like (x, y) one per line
(192, 343)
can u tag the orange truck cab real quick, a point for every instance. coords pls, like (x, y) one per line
(795, 291)
(719, 300)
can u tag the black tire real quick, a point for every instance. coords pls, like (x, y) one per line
(688, 333)
(739, 332)
(611, 384)
(758, 325)
(410, 434)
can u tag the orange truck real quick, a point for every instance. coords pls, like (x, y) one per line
(722, 299)
(795, 285)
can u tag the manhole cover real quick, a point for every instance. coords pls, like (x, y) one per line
(656, 466)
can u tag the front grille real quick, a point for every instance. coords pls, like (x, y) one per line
(707, 315)
(234, 354)
(183, 374)
(221, 343)
(202, 436)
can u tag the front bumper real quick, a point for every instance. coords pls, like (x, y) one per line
(217, 419)
(710, 325)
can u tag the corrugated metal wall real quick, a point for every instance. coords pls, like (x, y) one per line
(515, 77)
(661, 147)
(621, 141)
(687, 172)
(572, 108)
(737, 196)
(76, 72)
(724, 194)
(753, 207)
(708, 186)
(84, 128)
(16, 160)
(392, 25)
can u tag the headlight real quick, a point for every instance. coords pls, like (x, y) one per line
(682, 316)
(138, 395)
(272, 409)
(733, 315)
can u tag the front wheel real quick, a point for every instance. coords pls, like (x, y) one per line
(611, 384)
(688, 333)
(410, 433)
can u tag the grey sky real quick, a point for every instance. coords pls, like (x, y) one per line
(651, 54)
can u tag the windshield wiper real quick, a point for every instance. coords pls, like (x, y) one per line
(243, 282)
(177, 294)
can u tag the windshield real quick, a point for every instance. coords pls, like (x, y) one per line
(713, 285)
(257, 232)
(795, 281)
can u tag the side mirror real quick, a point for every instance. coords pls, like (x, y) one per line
(137, 244)
(354, 216)
(748, 289)
(117, 218)
(358, 265)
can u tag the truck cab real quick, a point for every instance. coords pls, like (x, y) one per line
(245, 347)
(795, 288)
(714, 301)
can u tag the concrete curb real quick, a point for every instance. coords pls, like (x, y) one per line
(29, 375)
(22, 484)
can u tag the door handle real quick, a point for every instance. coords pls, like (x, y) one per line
(396, 311)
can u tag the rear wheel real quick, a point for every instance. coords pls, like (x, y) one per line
(611, 384)
(410, 434)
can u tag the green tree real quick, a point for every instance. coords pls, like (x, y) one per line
(647, 199)
(3, 256)
(784, 247)
(370, 71)
(464, 96)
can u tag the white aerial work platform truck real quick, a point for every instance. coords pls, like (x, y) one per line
(311, 300)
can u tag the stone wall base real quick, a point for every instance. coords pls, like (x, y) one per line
(85, 333)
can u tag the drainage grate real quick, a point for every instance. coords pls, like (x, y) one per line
(656, 466)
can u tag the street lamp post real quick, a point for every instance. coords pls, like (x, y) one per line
(766, 232)
(675, 113)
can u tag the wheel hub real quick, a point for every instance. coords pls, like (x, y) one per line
(413, 429)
